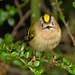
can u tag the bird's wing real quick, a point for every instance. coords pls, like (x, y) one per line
(30, 35)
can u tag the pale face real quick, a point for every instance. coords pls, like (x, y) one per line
(51, 24)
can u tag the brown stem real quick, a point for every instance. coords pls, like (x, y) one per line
(22, 61)
(22, 5)
(19, 24)
(66, 24)
(19, 10)
(25, 64)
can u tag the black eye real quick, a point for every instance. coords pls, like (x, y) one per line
(52, 23)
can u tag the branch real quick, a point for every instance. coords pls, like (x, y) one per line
(21, 61)
(19, 10)
(25, 3)
(19, 24)
(55, 63)
(65, 64)
(25, 64)
(66, 24)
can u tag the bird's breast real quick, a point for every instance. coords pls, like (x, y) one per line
(45, 40)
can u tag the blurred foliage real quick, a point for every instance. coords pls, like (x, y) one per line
(8, 15)
(74, 4)
(18, 53)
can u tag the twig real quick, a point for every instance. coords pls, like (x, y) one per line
(21, 60)
(25, 64)
(19, 24)
(22, 5)
(19, 10)
(46, 60)
(66, 24)
(21, 33)
(54, 63)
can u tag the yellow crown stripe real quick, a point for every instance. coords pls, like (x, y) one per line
(46, 18)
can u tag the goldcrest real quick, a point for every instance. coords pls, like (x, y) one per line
(45, 34)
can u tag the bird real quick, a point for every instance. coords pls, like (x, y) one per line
(44, 34)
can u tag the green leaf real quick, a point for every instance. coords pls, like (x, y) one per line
(34, 70)
(59, 62)
(4, 47)
(36, 63)
(63, 66)
(30, 50)
(8, 7)
(67, 67)
(60, 2)
(8, 38)
(30, 63)
(8, 57)
(26, 61)
(71, 71)
(11, 21)
(65, 60)
(62, 16)
(37, 73)
(42, 60)
(56, 57)
(3, 16)
(11, 10)
(74, 4)
(11, 44)
(38, 54)
(41, 71)
(53, 3)
(72, 66)
(22, 46)
(13, 54)
(17, 43)
(21, 53)
(2, 56)
(27, 54)
(49, 57)
(16, 57)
